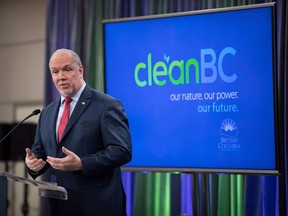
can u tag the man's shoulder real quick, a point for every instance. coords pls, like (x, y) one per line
(51, 107)
(101, 96)
(53, 104)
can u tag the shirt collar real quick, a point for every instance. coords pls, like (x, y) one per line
(77, 95)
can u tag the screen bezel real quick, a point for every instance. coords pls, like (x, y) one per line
(277, 169)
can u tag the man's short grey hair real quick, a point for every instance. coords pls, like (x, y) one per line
(70, 52)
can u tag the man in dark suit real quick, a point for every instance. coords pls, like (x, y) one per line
(85, 155)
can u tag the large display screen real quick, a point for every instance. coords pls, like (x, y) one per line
(199, 88)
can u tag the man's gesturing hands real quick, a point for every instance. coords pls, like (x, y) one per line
(69, 163)
(32, 162)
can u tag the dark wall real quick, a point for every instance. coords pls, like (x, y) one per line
(13, 146)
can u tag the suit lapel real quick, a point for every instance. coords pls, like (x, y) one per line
(81, 105)
(51, 128)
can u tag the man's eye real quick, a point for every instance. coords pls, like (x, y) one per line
(67, 69)
(54, 72)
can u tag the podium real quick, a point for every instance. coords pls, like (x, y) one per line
(45, 189)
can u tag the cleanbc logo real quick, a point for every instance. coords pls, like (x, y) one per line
(180, 72)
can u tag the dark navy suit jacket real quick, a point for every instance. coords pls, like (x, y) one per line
(98, 132)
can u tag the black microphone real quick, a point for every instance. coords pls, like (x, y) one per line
(35, 112)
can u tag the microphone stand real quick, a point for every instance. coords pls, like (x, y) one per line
(35, 112)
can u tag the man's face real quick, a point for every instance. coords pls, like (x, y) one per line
(67, 76)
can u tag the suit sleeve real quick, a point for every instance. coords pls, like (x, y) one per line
(116, 140)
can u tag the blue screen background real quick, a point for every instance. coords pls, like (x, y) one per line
(170, 133)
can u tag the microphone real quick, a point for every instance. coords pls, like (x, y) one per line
(35, 112)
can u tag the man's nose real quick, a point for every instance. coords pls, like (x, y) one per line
(61, 75)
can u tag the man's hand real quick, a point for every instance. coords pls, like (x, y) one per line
(70, 163)
(32, 162)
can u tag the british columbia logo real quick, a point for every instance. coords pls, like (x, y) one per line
(229, 136)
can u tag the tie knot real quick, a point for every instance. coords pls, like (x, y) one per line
(68, 100)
